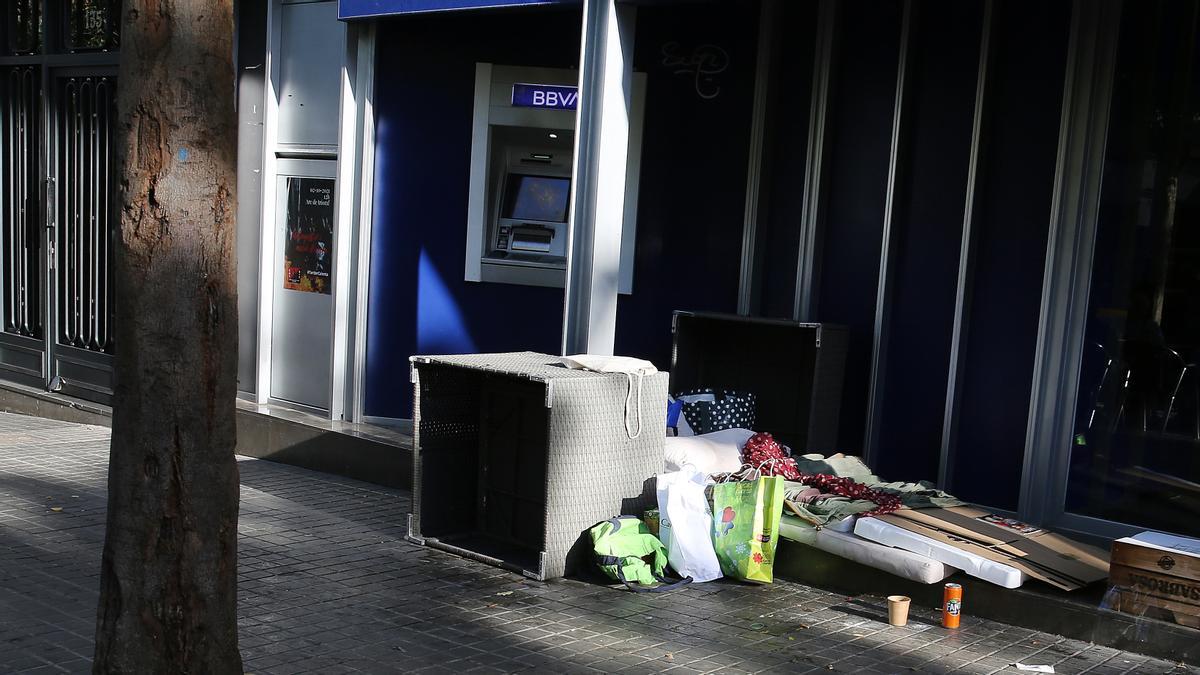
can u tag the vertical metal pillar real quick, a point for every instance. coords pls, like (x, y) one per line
(601, 157)
(357, 71)
(1083, 133)
(756, 171)
(364, 209)
(966, 258)
(883, 292)
(804, 303)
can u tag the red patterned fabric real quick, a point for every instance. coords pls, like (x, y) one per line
(763, 452)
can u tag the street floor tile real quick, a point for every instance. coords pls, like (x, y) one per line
(329, 584)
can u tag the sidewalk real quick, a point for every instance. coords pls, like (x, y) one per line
(328, 585)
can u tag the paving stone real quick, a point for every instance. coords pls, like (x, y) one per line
(328, 584)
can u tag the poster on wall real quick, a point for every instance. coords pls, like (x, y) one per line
(308, 250)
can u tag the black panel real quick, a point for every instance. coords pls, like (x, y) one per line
(926, 237)
(785, 148)
(859, 142)
(1025, 85)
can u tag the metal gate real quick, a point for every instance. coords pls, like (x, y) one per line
(22, 232)
(57, 186)
(85, 219)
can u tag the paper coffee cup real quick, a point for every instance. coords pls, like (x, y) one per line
(898, 609)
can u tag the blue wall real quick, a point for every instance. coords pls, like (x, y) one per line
(691, 194)
(420, 303)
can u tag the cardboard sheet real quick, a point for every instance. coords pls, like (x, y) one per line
(1039, 553)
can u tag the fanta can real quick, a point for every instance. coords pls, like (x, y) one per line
(951, 605)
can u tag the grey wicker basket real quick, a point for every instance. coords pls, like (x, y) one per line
(515, 456)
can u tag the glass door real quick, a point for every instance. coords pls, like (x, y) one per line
(1135, 454)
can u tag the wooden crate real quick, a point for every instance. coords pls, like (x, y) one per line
(1151, 581)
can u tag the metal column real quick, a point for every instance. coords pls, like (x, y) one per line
(883, 293)
(804, 303)
(757, 171)
(601, 157)
(966, 258)
(1083, 133)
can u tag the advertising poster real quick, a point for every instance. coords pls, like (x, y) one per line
(308, 250)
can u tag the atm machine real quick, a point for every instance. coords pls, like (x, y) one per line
(522, 146)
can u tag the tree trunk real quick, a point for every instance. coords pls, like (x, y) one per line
(168, 586)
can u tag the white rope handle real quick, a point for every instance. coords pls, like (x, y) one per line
(629, 398)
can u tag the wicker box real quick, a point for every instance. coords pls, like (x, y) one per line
(515, 456)
(1149, 580)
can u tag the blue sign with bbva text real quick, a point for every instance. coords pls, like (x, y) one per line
(551, 96)
(363, 9)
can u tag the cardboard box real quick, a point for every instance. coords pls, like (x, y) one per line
(1154, 574)
(1041, 554)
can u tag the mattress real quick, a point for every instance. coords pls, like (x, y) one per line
(845, 525)
(893, 560)
(977, 566)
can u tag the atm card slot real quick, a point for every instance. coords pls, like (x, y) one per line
(533, 239)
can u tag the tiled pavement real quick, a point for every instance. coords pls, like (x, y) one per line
(328, 584)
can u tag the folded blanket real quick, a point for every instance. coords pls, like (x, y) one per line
(825, 508)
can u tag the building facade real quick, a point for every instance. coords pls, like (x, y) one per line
(993, 196)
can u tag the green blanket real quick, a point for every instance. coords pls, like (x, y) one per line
(822, 511)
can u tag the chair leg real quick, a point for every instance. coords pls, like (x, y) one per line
(1196, 412)
(1121, 397)
(1171, 401)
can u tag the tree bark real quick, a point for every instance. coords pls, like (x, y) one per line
(168, 586)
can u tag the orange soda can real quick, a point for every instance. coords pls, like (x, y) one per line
(951, 605)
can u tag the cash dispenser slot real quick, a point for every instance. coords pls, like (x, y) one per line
(533, 238)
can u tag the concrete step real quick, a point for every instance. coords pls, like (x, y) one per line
(1037, 606)
(376, 454)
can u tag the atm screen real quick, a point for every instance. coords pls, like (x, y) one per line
(541, 198)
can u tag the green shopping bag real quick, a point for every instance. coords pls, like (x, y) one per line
(746, 527)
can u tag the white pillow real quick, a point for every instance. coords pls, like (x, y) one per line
(718, 452)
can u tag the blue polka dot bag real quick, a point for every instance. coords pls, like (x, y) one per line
(709, 410)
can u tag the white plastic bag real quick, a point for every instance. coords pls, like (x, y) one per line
(685, 525)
